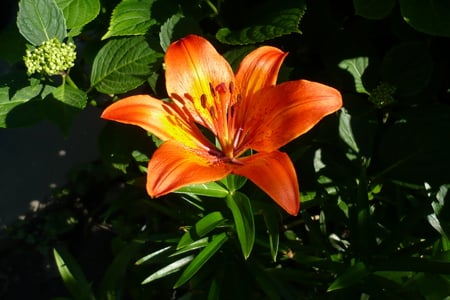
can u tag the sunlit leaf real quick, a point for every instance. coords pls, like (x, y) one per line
(210, 189)
(214, 245)
(40, 20)
(356, 67)
(152, 255)
(70, 96)
(345, 130)
(204, 226)
(122, 65)
(78, 13)
(241, 209)
(131, 17)
(169, 269)
(72, 275)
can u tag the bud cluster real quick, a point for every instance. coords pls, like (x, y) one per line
(381, 96)
(52, 58)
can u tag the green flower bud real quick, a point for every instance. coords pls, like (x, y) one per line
(51, 58)
(381, 96)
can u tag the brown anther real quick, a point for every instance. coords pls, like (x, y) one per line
(212, 112)
(189, 97)
(213, 92)
(231, 87)
(203, 100)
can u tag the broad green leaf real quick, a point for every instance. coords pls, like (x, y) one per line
(351, 276)
(356, 67)
(244, 222)
(373, 9)
(122, 65)
(345, 130)
(70, 96)
(210, 189)
(72, 275)
(269, 21)
(130, 17)
(13, 110)
(177, 27)
(198, 262)
(78, 13)
(431, 17)
(408, 67)
(169, 269)
(204, 226)
(167, 29)
(41, 20)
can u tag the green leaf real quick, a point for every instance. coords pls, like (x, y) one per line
(204, 226)
(41, 20)
(356, 67)
(345, 130)
(373, 9)
(114, 277)
(78, 13)
(210, 189)
(176, 27)
(431, 17)
(169, 269)
(234, 182)
(198, 262)
(71, 96)
(276, 19)
(167, 29)
(152, 255)
(122, 65)
(244, 222)
(72, 275)
(408, 67)
(130, 17)
(271, 218)
(351, 276)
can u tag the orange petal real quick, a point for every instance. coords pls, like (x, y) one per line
(195, 68)
(286, 111)
(274, 173)
(259, 69)
(156, 117)
(173, 166)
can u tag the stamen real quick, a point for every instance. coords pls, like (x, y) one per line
(231, 87)
(213, 92)
(203, 100)
(237, 137)
(221, 88)
(212, 112)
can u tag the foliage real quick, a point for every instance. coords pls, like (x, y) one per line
(374, 219)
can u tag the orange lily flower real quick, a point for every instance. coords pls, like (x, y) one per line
(246, 110)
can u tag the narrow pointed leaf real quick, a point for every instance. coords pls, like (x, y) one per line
(201, 228)
(273, 229)
(353, 275)
(72, 275)
(152, 255)
(198, 262)
(345, 130)
(244, 222)
(40, 20)
(210, 189)
(169, 269)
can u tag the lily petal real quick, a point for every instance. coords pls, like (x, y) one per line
(259, 69)
(274, 173)
(288, 110)
(173, 166)
(194, 70)
(156, 117)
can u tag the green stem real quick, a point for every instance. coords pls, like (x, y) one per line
(70, 81)
(213, 7)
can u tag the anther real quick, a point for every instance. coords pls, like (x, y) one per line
(213, 92)
(231, 87)
(221, 88)
(203, 100)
